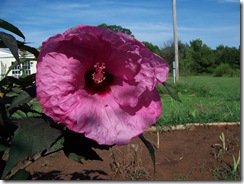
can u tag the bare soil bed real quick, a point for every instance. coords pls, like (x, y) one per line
(190, 154)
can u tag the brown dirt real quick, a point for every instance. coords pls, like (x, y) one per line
(182, 155)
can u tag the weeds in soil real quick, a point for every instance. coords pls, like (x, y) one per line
(182, 177)
(222, 138)
(218, 149)
(225, 171)
(128, 164)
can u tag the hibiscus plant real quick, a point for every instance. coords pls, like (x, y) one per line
(94, 88)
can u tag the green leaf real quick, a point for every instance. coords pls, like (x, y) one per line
(10, 27)
(150, 149)
(20, 102)
(33, 135)
(30, 49)
(77, 146)
(22, 98)
(3, 147)
(172, 91)
(75, 157)
(23, 82)
(58, 144)
(21, 174)
(10, 43)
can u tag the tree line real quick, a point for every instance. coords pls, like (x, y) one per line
(196, 57)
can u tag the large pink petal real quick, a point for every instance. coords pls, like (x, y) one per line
(107, 123)
(153, 70)
(57, 83)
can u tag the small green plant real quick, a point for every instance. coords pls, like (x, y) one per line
(227, 171)
(236, 163)
(219, 149)
(222, 138)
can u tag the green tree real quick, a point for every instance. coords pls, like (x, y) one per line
(202, 57)
(227, 55)
(153, 48)
(117, 28)
(197, 57)
(185, 58)
(168, 52)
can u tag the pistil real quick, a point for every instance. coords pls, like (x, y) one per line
(98, 80)
(98, 75)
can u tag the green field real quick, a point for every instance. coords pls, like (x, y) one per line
(205, 99)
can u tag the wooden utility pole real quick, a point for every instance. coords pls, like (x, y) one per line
(175, 43)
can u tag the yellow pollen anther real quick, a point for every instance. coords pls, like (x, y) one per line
(98, 75)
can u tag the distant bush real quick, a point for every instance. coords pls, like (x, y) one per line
(236, 72)
(224, 70)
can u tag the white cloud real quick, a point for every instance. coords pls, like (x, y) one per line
(156, 33)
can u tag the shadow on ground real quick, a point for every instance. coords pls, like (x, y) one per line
(57, 175)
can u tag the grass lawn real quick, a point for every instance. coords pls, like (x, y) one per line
(204, 99)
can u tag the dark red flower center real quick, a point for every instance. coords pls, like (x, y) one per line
(98, 80)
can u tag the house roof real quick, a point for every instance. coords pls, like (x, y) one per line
(4, 53)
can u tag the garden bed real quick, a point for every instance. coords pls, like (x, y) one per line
(195, 152)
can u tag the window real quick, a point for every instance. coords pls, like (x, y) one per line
(16, 71)
(22, 69)
(26, 68)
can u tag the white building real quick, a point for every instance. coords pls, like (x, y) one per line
(7, 59)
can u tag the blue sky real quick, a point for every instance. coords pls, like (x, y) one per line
(215, 22)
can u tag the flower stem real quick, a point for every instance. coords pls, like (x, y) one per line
(158, 139)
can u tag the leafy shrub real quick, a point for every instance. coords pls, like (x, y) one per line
(223, 69)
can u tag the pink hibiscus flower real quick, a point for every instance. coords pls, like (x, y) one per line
(100, 83)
